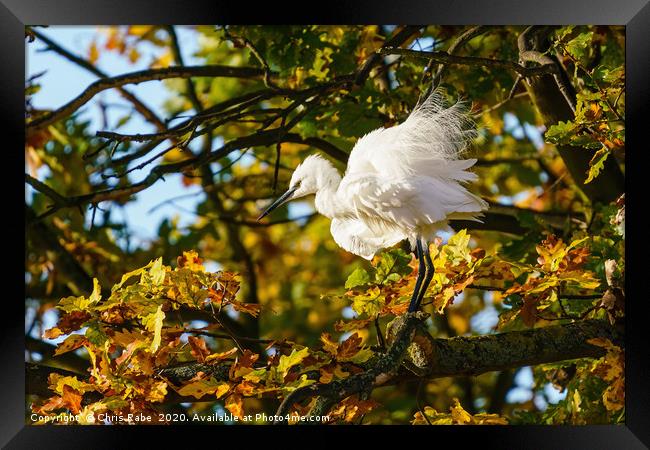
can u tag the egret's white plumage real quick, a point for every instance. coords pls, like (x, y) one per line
(402, 182)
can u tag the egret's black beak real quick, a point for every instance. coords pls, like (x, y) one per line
(283, 199)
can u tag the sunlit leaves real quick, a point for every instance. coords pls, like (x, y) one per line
(71, 304)
(611, 368)
(350, 350)
(154, 322)
(456, 416)
(200, 388)
(288, 361)
(359, 277)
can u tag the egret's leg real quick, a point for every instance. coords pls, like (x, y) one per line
(428, 277)
(418, 281)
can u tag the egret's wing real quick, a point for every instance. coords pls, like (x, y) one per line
(406, 205)
(428, 143)
(353, 235)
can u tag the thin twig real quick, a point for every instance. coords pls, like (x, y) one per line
(446, 58)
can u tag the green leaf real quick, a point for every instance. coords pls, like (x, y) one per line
(393, 262)
(81, 303)
(457, 248)
(357, 278)
(95, 334)
(295, 358)
(560, 132)
(579, 46)
(597, 163)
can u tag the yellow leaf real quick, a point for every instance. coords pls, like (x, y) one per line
(200, 388)
(93, 53)
(328, 345)
(57, 382)
(576, 401)
(459, 415)
(220, 356)
(157, 392)
(157, 272)
(154, 322)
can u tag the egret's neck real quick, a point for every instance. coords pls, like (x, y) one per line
(326, 200)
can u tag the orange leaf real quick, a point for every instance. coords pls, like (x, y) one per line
(52, 333)
(350, 346)
(200, 349)
(235, 404)
(71, 399)
(71, 343)
(249, 308)
(329, 346)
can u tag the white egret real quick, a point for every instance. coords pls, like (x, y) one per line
(402, 182)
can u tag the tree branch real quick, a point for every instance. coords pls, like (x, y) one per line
(395, 41)
(464, 37)
(139, 77)
(143, 109)
(446, 58)
(553, 97)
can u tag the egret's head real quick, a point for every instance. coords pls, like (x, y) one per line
(306, 180)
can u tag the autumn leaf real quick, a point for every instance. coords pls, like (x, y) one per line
(220, 356)
(352, 408)
(52, 333)
(249, 308)
(354, 324)
(456, 416)
(329, 345)
(71, 343)
(154, 322)
(352, 351)
(200, 388)
(235, 404)
(199, 348)
(191, 260)
(293, 359)
(93, 53)
(369, 302)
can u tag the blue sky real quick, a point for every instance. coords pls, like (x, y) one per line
(63, 80)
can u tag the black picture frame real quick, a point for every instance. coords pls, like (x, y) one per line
(634, 14)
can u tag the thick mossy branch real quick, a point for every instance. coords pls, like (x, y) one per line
(182, 373)
(445, 357)
(474, 355)
(458, 356)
